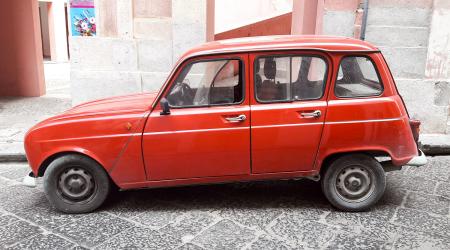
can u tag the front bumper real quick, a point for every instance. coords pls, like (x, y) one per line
(419, 160)
(29, 180)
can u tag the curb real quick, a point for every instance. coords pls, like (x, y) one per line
(13, 158)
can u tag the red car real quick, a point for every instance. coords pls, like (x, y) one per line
(276, 107)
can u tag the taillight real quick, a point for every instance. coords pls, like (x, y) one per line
(415, 128)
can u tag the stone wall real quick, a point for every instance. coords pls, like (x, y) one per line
(137, 44)
(415, 40)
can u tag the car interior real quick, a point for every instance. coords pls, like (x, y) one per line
(357, 77)
(208, 83)
(278, 84)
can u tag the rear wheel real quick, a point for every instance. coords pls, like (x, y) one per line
(76, 184)
(354, 182)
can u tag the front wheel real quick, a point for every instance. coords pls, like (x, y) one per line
(76, 184)
(354, 182)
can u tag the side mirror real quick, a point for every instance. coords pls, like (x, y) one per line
(164, 106)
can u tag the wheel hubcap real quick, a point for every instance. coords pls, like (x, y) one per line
(76, 184)
(354, 184)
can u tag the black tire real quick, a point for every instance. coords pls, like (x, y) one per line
(354, 182)
(76, 184)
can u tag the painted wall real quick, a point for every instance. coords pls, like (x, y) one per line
(280, 25)
(136, 46)
(21, 65)
(232, 14)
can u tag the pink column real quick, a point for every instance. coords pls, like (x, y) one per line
(21, 66)
(307, 17)
(210, 15)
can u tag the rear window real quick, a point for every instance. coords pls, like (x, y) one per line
(357, 77)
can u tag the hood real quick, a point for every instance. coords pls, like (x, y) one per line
(118, 104)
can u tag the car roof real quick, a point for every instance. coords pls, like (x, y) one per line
(283, 42)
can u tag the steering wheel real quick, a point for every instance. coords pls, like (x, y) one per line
(181, 95)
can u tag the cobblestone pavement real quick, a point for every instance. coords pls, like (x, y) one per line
(414, 213)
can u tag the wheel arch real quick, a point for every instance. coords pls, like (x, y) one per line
(327, 160)
(44, 165)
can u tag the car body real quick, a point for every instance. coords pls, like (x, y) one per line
(236, 110)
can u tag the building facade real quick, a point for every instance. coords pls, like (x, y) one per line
(138, 42)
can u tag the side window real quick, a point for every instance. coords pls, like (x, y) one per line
(357, 77)
(289, 78)
(205, 83)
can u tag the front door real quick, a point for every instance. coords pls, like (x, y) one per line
(288, 110)
(207, 132)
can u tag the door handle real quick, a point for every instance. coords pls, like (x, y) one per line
(239, 118)
(315, 114)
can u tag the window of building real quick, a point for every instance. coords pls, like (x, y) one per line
(289, 78)
(357, 77)
(205, 83)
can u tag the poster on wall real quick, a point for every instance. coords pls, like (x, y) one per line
(82, 18)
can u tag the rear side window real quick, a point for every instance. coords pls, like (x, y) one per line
(357, 77)
(289, 78)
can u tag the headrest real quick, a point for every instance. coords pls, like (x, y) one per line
(270, 68)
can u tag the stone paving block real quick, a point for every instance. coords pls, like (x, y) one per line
(17, 174)
(257, 218)
(157, 217)
(43, 214)
(190, 246)
(392, 195)
(131, 203)
(7, 167)
(437, 168)
(370, 224)
(7, 219)
(93, 229)
(16, 232)
(268, 242)
(428, 203)
(189, 225)
(18, 197)
(423, 221)
(225, 234)
(300, 233)
(443, 189)
(351, 241)
(412, 239)
(47, 241)
(411, 183)
(141, 238)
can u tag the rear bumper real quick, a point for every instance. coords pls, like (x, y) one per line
(419, 160)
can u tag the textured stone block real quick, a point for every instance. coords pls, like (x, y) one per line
(152, 8)
(125, 18)
(400, 16)
(419, 99)
(91, 85)
(153, 81)
(153, 28)
(406, 62)
(196, 13)
(397, 36)
(186, 36)
(155, 55)
(95, 53)
(339, 23)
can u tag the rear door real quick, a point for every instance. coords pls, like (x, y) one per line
(288, 107)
